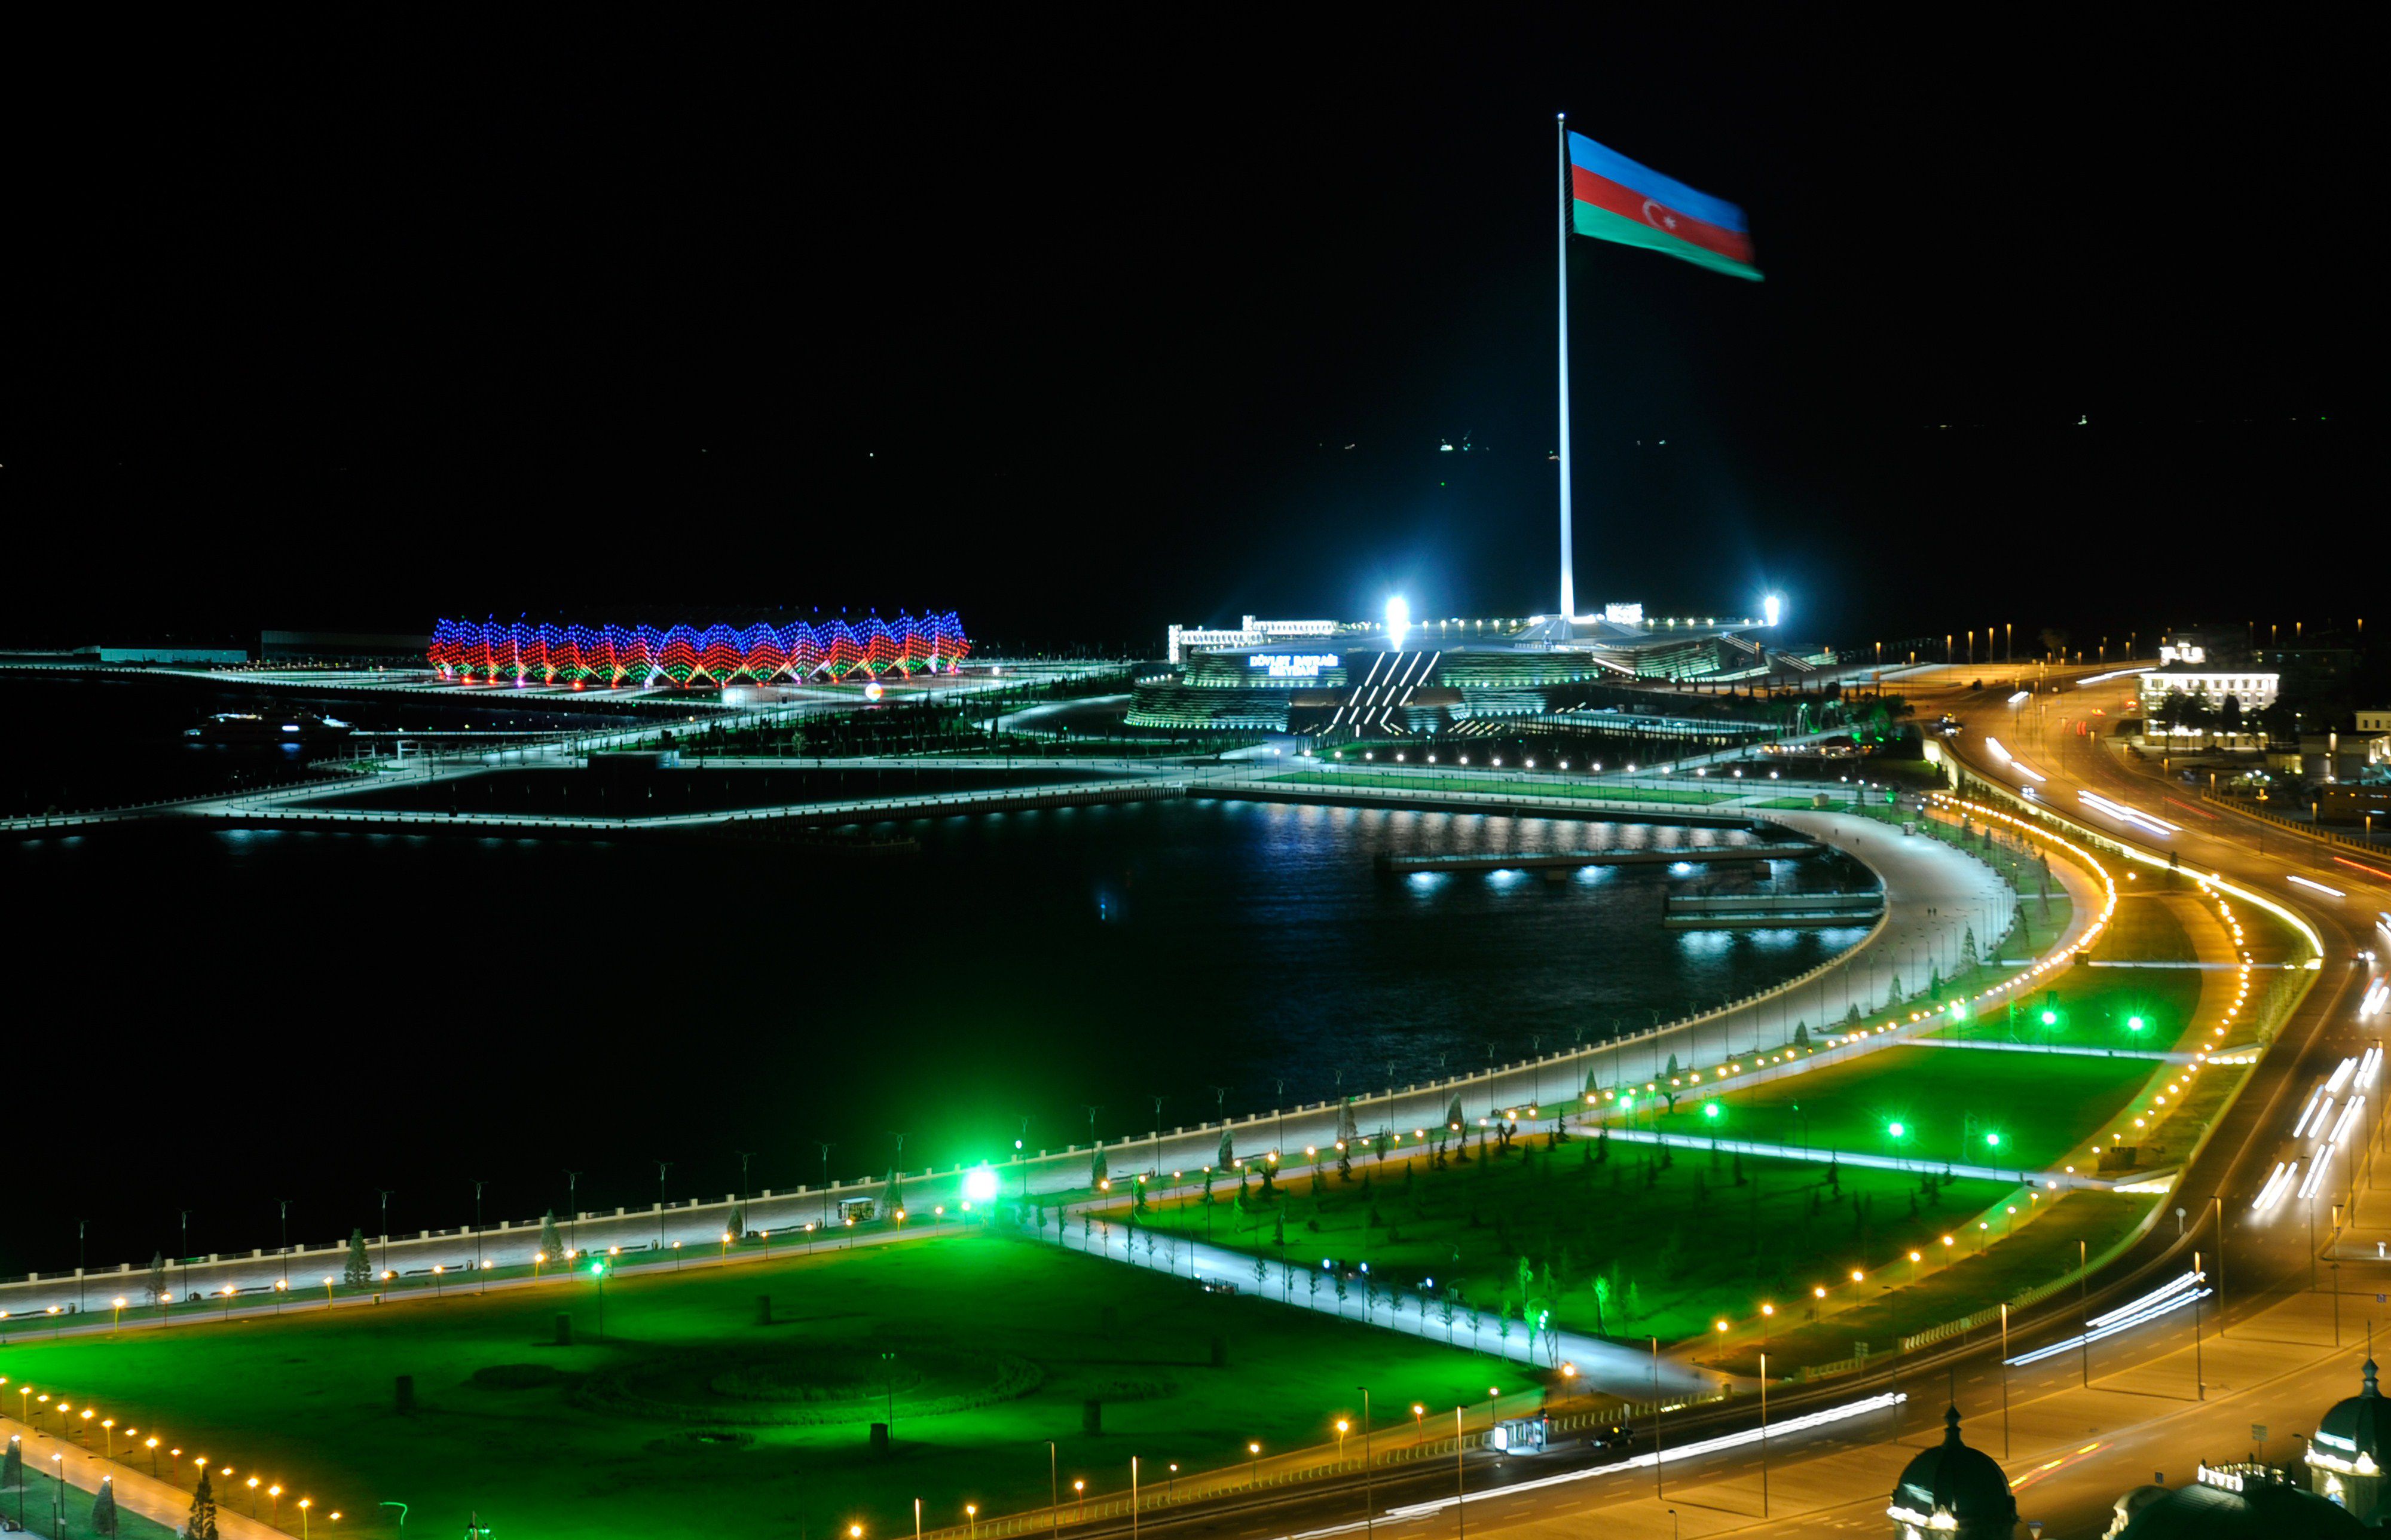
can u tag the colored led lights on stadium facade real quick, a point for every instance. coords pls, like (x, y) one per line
(616, 654)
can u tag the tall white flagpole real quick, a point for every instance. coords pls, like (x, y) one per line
(1569, 579)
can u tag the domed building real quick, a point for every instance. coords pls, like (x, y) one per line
(1952, 1492)
(2345, 1458)
(2232, 1502)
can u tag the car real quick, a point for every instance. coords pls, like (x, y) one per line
(1617, 1436)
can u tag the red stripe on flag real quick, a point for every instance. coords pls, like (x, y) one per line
(1603, 192)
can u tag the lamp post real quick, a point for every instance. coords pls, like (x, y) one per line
(2005, 1380)
(1369, 1496)
(1460, 1486)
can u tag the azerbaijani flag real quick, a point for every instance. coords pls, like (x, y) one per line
(1614, 198)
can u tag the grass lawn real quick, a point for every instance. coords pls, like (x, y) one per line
(1675, 1246)
(40, 1491)
(2042, 1106)
(1597, 791)
(2037, 1254)
(694, 1419)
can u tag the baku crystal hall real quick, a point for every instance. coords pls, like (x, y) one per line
(711, 651)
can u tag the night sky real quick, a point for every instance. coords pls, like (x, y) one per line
(1069, 329)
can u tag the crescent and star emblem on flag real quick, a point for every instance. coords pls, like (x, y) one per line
(1656, 216)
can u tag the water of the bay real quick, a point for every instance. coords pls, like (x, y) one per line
(215, 1021)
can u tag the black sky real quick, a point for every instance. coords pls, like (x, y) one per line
(1064, 324)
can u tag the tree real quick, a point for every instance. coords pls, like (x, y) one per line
(1801, 1035)
(1672, 1069)
(1452, 1117)
(1967, 948)
(103, 1507)
(1228, 1150)
(359, 1271)
(1601, 1303)
(551, 1244)
(202, 1525)
(157, 1277)
(12, 1467)
(1098, 1171)
(736, 1225)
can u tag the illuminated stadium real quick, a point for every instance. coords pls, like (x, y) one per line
(685, 652)
(1400, 679)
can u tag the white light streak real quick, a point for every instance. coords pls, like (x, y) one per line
(2132, 816)
(1644, 1462)
(2319, 887)
(2150, 1307)
(2348, 1114)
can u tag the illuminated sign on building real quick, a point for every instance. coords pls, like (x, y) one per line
(1294, 665)
(1624, 614)
(2185, 654)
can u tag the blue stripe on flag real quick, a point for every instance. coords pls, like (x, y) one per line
(1661, 189)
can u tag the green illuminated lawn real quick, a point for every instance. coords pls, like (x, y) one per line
(33, 1502)
(308, 1397)
(2037, 1254)
(2041, 1106)
(1678, 1245)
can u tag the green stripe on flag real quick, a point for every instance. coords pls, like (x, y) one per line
(1602, 225)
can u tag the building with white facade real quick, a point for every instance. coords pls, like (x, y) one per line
(2254, 689)
(1187, 638)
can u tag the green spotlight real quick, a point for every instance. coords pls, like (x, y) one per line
(1896, 1130)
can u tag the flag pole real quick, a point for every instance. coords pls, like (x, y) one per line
(1568, 581)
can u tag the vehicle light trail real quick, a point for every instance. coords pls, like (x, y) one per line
(2306, 882)
(2348, 1115)
(2150, 1307)
(2319, 1096)
(2273, 1189)
(2132, 816)
(2341, 1073)
(1645, 1462)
